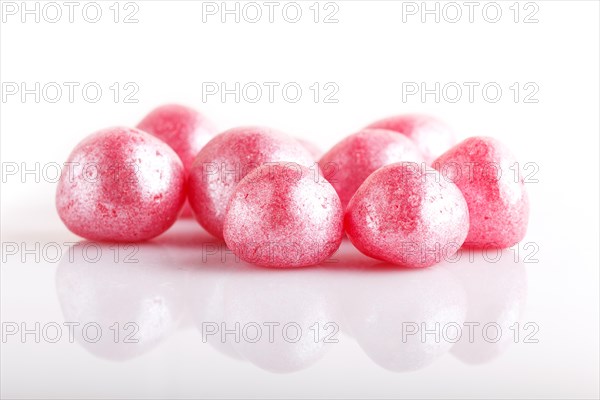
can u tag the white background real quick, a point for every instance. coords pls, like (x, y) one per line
(369, 53)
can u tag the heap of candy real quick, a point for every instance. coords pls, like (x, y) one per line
(401, 189)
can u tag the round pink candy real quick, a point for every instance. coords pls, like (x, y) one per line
(431, 135)
(281, 216)
(407, 214)
(351, 161)
(488, 176)
(182, 128)
(226, 159)
(121, 184)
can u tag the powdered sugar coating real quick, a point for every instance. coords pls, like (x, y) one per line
(280, 216)
(488, 176)
(431, 135)
(120, 184)
(351, 161)
(229, 157)
(408, 215)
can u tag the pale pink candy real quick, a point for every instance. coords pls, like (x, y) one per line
(490, 179)
(431, 135)
(281, 216)
(182, 128)
(121, 184)
(351, 161)
(408, 215)
(226, 159)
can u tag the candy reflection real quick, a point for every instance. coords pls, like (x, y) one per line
(403, 320)
(204, 287)
(400, 323)
(126, 294)
(276, 320)
(496, 291)
(287, 319)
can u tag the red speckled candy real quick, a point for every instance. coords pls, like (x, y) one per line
(226, 159)
(281, 216)
(431, 135)
(121, 184)
(407, 214)
(351, 161)
(489, 178)
(182, 128)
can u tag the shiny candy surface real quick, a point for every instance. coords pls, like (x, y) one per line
(351, 161)
(182, 128)
(120, 184)
(281, 216)
(489, 177)
(408, 215)
(431, 135)
(226, 159)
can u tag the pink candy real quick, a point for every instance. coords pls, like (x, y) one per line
(407, 214)
(182, 128)
(489, 178)
(262, 192)
(352, 160)
(281, 216)
(226, 159)
(121, 184)
(431, 135)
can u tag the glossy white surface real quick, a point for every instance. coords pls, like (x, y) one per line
(171, 295)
